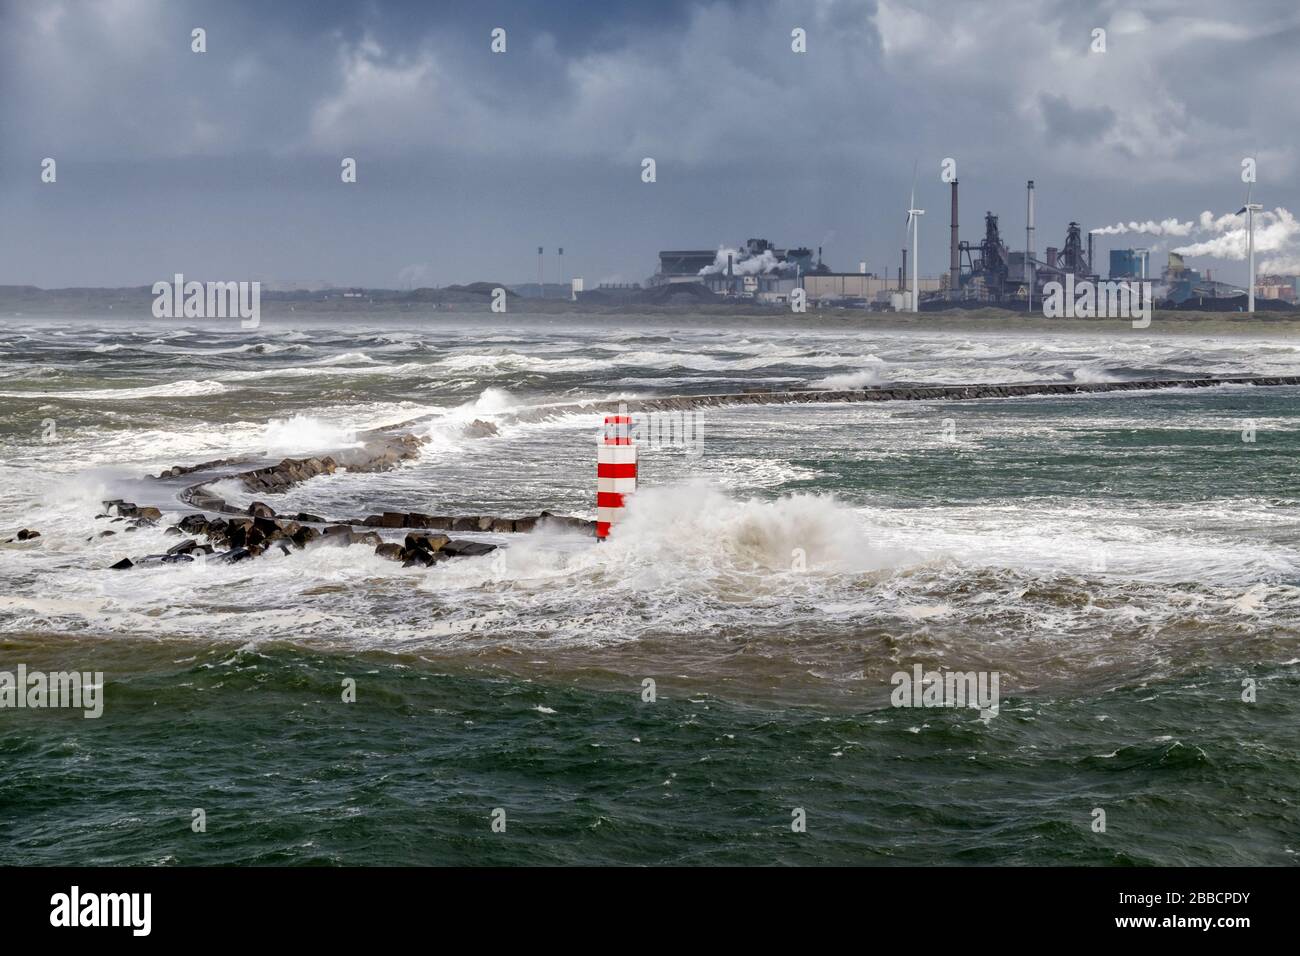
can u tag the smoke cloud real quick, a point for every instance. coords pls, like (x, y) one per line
(750, 266)
(1276, 231)
(1166, 227)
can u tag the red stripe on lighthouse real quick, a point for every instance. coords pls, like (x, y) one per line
(615, 460)
(609, 470)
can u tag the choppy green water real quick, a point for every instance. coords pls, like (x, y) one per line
(411, 772)
(1124, 562)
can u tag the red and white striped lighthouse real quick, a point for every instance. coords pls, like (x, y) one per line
(615, 472)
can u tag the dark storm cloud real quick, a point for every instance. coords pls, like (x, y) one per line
(1080, 124)
(226, 163)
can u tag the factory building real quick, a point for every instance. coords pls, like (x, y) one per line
(756, 257)
(1178, 284)
(989, 271)
(1125, 264)
(682, 265)
(1286, 288)
(754, 270)
(859, 288)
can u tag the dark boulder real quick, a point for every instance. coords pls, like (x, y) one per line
(328, 540)
(260, 509)
(193, 524)
(233, 555)
(237, 532)
(390, 550)
(149, 559)
(186, 546)
(426, 542)
(267, 526)
(394, 519)
(418, 557)
(121, 565)
(467, 549)
(26, 534)
(304, 516)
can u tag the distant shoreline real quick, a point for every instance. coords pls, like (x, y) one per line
(988, 321)
(471, 303)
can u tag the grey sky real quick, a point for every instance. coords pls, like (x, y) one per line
(226, 164)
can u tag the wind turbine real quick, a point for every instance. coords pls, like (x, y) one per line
(913, 219)
(1250, 209)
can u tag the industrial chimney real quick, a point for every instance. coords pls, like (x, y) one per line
(954, 264)
(903, 271)
(1029, 234)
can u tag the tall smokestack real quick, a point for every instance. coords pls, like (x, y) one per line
(954, 266)
(1029, 244)
(903, 271)
(1092, 268)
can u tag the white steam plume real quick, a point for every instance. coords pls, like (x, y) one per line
(1275, 231)
(751, 266)
(1166, 227)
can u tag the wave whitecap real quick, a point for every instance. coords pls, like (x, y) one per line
(183, 389)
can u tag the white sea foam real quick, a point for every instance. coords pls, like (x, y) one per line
(851, 380)
(183, 389)
(306, 433)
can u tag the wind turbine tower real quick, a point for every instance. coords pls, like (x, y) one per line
(913, 218)
(1250, 209)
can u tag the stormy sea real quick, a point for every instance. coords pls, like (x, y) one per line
(715, 684)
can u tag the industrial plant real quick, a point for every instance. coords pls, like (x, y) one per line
(987, 272)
